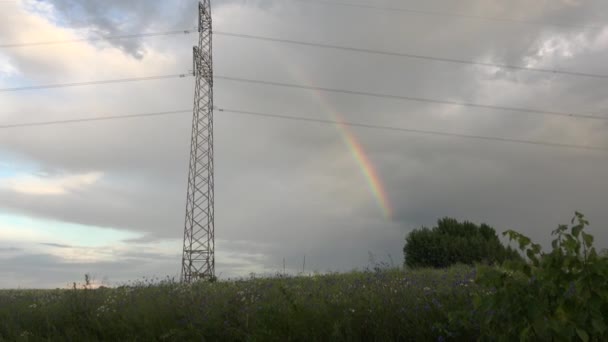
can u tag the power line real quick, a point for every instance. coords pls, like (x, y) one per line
(445, 14)
(415, 99)
(312, 44)
(305, 119)
(334, 90)
(409, 55)
(104, 38)
(417, 131)
(79, 84)
(100, 118)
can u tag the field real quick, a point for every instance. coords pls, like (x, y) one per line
(375, 305)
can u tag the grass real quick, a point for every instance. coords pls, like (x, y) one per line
(379, 305)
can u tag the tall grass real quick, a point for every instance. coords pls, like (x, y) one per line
(380, 305)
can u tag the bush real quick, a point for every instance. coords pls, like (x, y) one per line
(452, 242)
(561, 295)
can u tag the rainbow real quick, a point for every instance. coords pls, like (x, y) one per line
(374, 182)
(368, 170)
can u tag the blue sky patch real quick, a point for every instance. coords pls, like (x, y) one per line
(48, 231)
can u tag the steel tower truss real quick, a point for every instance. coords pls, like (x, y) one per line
(198, 260)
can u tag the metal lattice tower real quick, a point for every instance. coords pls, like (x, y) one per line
(198, 260)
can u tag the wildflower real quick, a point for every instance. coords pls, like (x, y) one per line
(33, 306)
(426, 288)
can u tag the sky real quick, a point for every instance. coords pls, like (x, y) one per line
(108, 198)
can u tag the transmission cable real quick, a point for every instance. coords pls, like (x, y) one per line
(409, 55)
(445, 14)
(417, 131)
(79, 84)
(103, 38)
(313, 44)
(90, 119)
(334, 90)
(415, 99)
(304, 119)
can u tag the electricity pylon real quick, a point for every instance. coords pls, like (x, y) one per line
(198, 260)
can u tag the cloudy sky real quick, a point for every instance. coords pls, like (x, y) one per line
(108, 198)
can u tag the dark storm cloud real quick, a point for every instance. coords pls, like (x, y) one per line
(289, 190)
(118, 17)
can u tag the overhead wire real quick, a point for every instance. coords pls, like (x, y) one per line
(414, 99)
(103, 38)
(409, 55)
(90, 119)
(417, 131)
(307, 119)
(351, 92)
(314, 44)
(324, 89)
(88, 83)
(443, 14)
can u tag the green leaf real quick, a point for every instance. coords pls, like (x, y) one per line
(539, 326)
(592, 253)
(523, 241)
(525, 333)
(576, 230)
(534, 312)
(588, 238)
(532, 257)
(560, 229)
(598, 325)
(583, 335)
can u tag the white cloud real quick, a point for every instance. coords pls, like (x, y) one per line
(6, 68)
(51, 185)
(558, 48)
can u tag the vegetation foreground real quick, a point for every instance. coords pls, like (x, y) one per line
(561, 295)
(375, 305)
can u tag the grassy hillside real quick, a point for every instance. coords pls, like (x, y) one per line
(381, 305)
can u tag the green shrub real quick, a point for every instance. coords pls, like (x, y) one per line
(561, 295)
(452, 242)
